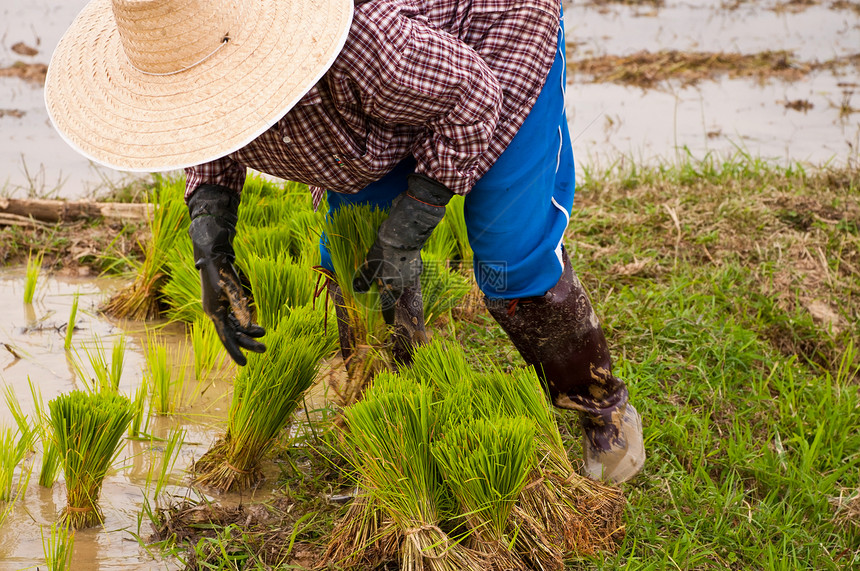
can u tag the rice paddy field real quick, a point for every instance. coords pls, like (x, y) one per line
(716, 225)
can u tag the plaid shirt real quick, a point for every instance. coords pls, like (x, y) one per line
(447, 81)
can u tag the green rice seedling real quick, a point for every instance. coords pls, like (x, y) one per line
(107, 375)
(278, 283)
(50, 456)
(441, 288)
(159, 376)
(15, 444)
(455, 220)
(350, 232)
(70, 326)
(266, 241)
(181, 292)
(265, 203)
(266, 393)
(388, 439)
(487, 462)
(169, 223)
(209, 353)
(306, 227)
(87, 429)
(34, 267)
(59, 546)
(139, 423)
(13, 448)
(21, 420)
(172, 447)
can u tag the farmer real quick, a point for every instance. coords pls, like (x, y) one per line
(396, 103)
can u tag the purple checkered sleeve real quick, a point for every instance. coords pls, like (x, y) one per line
(448, 82)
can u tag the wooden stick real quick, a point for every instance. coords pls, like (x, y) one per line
(52, 211)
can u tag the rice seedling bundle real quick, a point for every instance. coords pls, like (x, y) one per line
(562, 508)
(266, 393)
(494, 438)
(265, 241)
(265, 203)
(441, 288)
(169, 223)
(87, 429)
(486, 462)
(388, 438)
(351, 231)
(277, 284)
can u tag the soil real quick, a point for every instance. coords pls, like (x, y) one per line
(648, 69)
(78, 249)
(29, 72)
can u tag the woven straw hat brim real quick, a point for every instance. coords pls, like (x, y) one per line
(126, 119)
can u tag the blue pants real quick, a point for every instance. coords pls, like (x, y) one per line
(517, 213)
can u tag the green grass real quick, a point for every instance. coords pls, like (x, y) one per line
(710, 277)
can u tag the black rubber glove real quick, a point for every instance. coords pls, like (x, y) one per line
(214, 213)
(394, 260)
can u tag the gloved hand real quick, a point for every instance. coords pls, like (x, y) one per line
(214, 213)
(394, 260)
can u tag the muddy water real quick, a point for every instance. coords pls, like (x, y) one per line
(719, 117)
(606, 120)
(34, 335)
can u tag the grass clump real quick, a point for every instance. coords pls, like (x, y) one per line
(266, 393)
(14, 446)
(87, 429)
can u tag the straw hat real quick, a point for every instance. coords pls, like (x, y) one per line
(153, 85)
